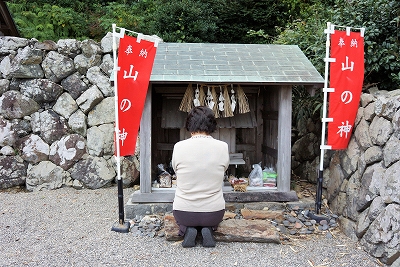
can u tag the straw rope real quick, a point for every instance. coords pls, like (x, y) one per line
(202, 95)
(187, 103)
(227, 108)
(215, 99)
(187, 100)
(242, 101)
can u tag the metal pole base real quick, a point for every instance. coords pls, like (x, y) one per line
(316, 217)
(121, 228)
(318, 200)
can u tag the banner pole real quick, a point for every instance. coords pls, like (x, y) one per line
(121, 226)
(324, 120)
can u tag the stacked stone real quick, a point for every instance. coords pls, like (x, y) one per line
(149, 225)
(57, 115)
(287, 218)
(362, 182)
(299, 222)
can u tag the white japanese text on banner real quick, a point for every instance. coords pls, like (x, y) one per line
(346, 77)
(135, 62)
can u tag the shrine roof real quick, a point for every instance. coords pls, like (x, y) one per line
(233, 63)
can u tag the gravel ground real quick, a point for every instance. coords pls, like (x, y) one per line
(67, 227)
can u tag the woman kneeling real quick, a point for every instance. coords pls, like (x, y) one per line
(200, 163)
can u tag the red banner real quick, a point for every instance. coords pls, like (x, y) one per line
(135, 62)
(346, 78)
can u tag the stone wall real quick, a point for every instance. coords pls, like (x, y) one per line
(57, 115)
(362, 183)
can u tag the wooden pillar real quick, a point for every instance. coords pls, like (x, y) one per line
(145, 145)
(284, 138)
(259, 138)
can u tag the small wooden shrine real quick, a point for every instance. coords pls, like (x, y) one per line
(256, 78)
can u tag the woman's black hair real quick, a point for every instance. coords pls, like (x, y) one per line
(201, 119)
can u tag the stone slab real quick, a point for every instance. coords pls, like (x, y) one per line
(262, 214)
(261, 196)
(231, 230)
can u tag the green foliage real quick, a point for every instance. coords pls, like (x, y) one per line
(305, 105)
(184, 21)
(382, 37)
(302, 8)
(308, 33)
(222, 21)
(48, 22)
(77, 5)
(299, 22)
(382, 60)
(381, 18)
(105, 16)
(136, 16)
(249, 21)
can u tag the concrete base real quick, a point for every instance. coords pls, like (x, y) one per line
(141, 209)
(166, 195)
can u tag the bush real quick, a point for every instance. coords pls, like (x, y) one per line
(48, 22)
(381, 18)
(308, 33)
(305, 105)
(382, 36)
(184, 21)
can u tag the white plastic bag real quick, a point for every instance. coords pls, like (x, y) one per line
(256, 175)
(164, 177)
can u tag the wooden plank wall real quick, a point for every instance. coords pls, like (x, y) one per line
(248, 139)
(277, 117)
(270, 118)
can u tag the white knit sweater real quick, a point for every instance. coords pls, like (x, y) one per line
(200, 163)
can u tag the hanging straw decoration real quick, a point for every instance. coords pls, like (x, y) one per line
(233, 99)
(196, 100)
(228, 108)
(242, 100)
(221, 99)
(202, 95)
(209, 101)
(215, 107)
(187, 100)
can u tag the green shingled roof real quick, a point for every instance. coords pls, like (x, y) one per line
(233, 63)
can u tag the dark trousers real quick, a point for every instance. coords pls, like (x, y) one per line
(185, 219)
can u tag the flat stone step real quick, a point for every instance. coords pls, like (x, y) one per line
(231, 230)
